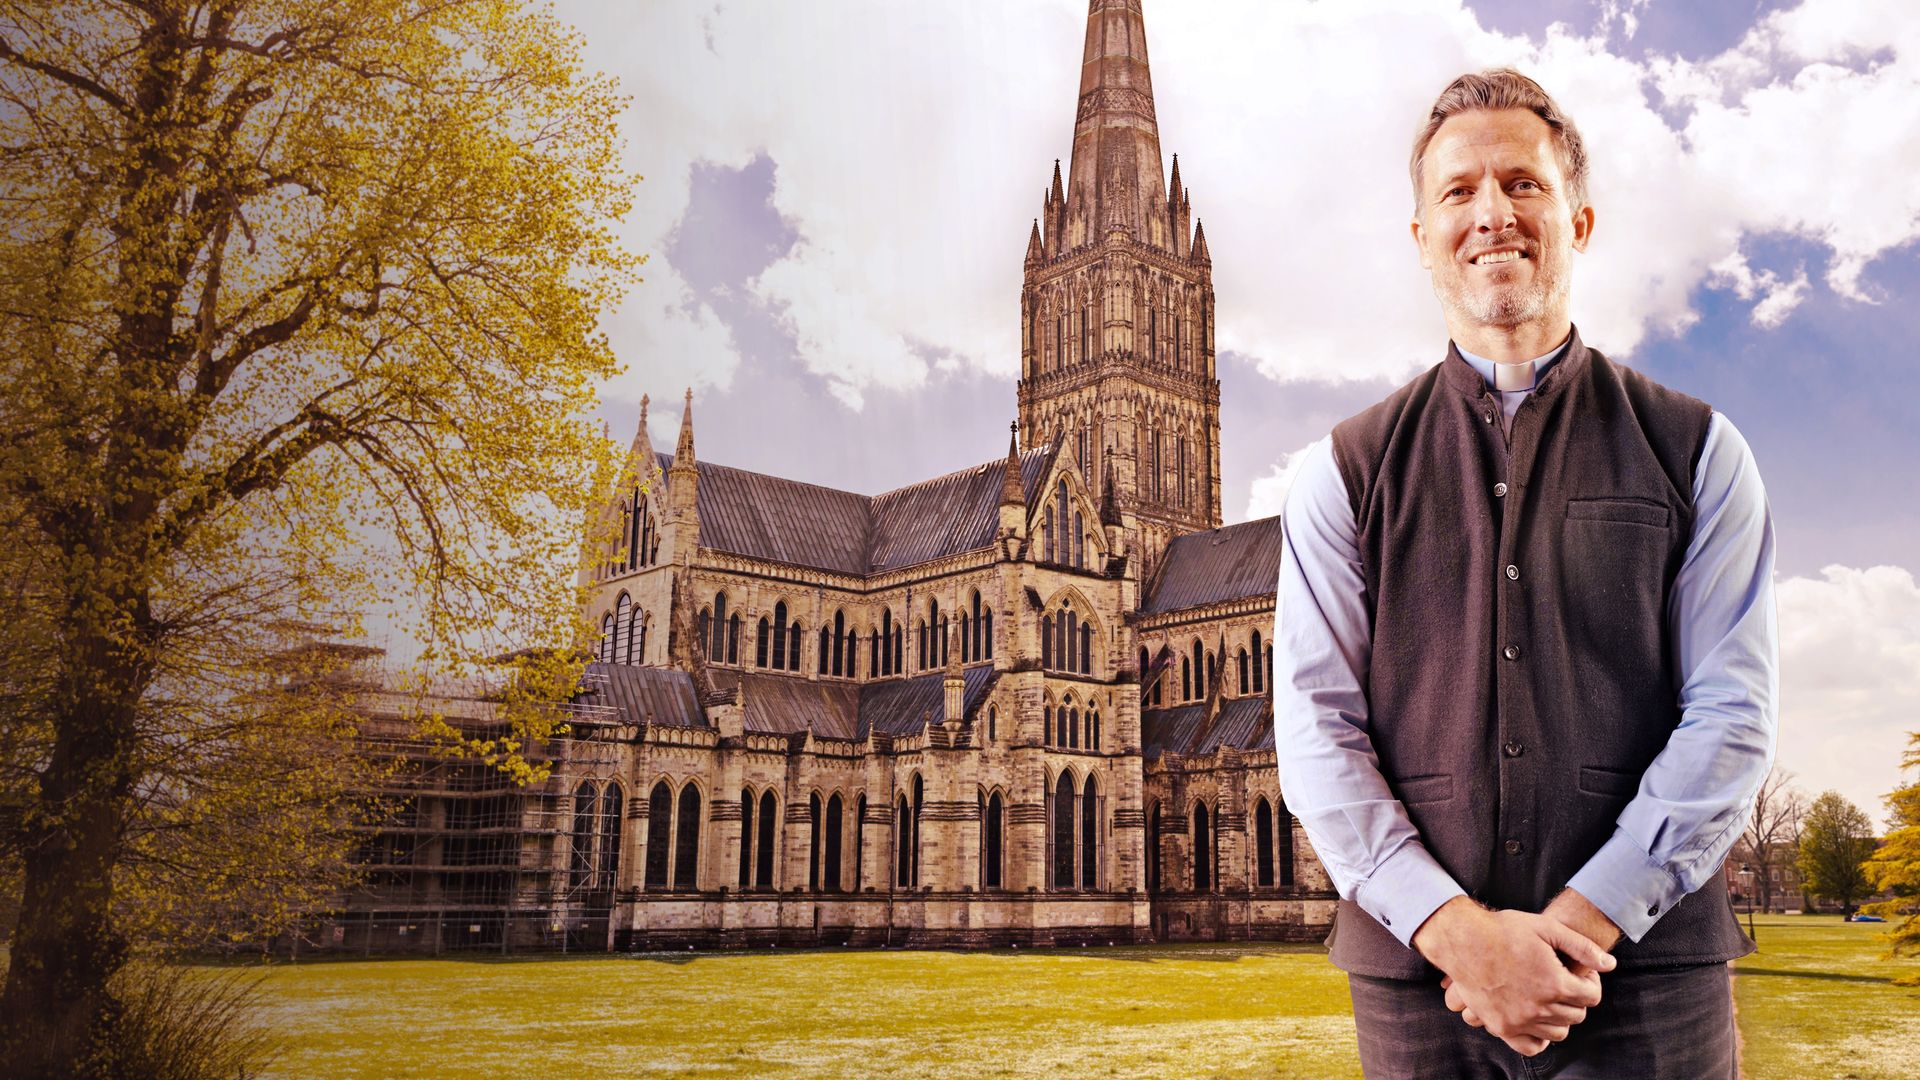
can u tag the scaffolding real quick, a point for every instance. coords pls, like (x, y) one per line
(469, 860)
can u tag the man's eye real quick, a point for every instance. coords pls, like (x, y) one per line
(1525, 185)
(1457, 192)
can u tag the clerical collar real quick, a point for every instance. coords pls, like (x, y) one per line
(1512, 377)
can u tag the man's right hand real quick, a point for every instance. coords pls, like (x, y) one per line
(1505, 969)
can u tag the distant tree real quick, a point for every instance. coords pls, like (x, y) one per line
(300, 305)
(1895, 867)
(1777, 810)
(1836, 837)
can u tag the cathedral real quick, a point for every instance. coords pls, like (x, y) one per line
(1025, 703)
(1022, 703)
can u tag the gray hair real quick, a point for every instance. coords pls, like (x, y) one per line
(1505, 88)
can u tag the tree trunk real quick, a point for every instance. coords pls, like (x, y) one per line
(58, 1014)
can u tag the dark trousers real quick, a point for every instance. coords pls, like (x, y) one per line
(1651, 1024)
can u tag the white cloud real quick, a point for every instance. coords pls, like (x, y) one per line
(1268, 495)
(1777, 298)
(912, 143)
(1849, 679)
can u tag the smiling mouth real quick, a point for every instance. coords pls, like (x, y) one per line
(1494, 258)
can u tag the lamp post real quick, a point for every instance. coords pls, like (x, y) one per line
(1746, 886)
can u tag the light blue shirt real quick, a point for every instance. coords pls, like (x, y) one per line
(1694, 799)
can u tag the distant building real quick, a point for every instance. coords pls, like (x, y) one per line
(1025, 702)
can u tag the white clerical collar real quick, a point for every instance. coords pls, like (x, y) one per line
(1510, 377)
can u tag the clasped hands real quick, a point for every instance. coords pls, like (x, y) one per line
(1525, 978)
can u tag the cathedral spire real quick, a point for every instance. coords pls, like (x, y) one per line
(1035, 253)
(1109, 509)
(1200, 243)
(1116, 138)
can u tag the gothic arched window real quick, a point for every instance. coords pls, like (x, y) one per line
(780, 636)
(990, 842)
(622, 628)
(1263, 843)
(1286, 849)
(586, 814)
(686, 844)
(1089, 835)
(746, 838)
(1063, 822)
(763, 841)
(1246, 672)
(659, 834)
(813, 842)
(760, 636)
(830, 875)
(1259, 671)
(1153, 849)
(1202, 848)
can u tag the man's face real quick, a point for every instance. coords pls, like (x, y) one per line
(1496, 226)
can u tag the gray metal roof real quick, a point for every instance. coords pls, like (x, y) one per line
(769, 517)
(1244, 723)
(1212, 567)
(646, 695)
(899, 706)
(789, 704)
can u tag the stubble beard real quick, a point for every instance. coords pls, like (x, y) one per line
(1506, 305)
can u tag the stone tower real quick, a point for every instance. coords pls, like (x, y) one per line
(1116, 312)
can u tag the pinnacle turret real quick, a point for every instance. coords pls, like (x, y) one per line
(1012, 492)
(1036, 252)
(1109, 507)
(1200, 243)
(683, 450)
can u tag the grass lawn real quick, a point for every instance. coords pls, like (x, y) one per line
(1817, 1002)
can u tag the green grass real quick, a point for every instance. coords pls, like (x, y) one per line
(1257, 1010)
(1816, 1002)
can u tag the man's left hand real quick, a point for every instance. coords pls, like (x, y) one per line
(1571, 910)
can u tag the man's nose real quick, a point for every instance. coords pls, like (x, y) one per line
(1492, 210)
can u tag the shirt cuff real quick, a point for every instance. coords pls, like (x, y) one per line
(1402, 891)
(1625, 883)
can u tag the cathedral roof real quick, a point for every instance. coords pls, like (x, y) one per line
(788, 521)
(646, 695)
(1244, 724)
(785, 705)
(1213, 567)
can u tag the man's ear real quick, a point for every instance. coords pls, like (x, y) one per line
(1420, 242)
(1582, 227)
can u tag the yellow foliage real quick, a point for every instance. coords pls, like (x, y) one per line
(300, 300)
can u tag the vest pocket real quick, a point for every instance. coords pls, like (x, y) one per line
(1609, 782)
(1425, 789)
(1625, 511)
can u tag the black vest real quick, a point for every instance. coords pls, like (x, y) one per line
(1523, 678)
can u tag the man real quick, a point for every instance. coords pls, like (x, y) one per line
(1526, 655)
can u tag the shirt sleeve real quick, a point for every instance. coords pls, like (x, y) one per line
(1695, 798)
(1329, 773)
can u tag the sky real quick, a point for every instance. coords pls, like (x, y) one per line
(835, 198)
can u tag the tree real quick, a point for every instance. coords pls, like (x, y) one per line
(1895, 867)
(1836, 837)
(300, 303)
(1777, 809)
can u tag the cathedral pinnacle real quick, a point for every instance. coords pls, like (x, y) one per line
(1200, 243)
(1035, 252)
(643, 414)
(683, 451)
(1012, 493)
(1109, 508)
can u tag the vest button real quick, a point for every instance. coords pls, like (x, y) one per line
(1511, 652)
(1514, 749)
(1652, 911)
(1487, 416)
(1500, 490)
(1513, 572)
(1513, 847)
